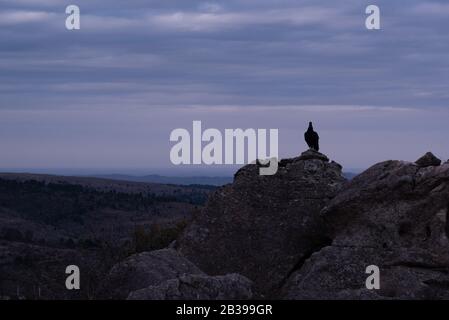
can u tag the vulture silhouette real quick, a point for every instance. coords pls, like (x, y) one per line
(312, 138)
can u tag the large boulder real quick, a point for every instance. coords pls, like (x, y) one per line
(198, 287)
(264, 226)
(143, 270)
(394, 216)
(428, 160)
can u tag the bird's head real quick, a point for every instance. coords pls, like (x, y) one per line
(310, 125)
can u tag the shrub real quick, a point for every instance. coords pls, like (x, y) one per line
(156, 237)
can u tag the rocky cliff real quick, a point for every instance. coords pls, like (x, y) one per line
(263, 227)
(307, 233)
(394, 216)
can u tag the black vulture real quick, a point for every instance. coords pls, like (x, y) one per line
(312, 138)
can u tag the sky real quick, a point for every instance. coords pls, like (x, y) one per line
(108, 95)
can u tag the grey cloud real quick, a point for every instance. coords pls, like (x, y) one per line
(172, 60)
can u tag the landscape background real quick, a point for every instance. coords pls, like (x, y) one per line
(85, 175)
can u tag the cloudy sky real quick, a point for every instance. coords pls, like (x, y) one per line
(108, 95)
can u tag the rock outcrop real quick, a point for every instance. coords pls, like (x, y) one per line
(394, 216)
(145, 269)
(263, 227)
(428, 160)
(166, 275)
(198, 287)
(312, 154)
(307, 233)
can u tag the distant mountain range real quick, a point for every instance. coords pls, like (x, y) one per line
(198, 180)
(154, 178)
(349, 175)
(89, 179)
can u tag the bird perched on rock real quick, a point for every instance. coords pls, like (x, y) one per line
(312, 138)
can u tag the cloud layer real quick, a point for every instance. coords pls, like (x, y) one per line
(111, 92)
